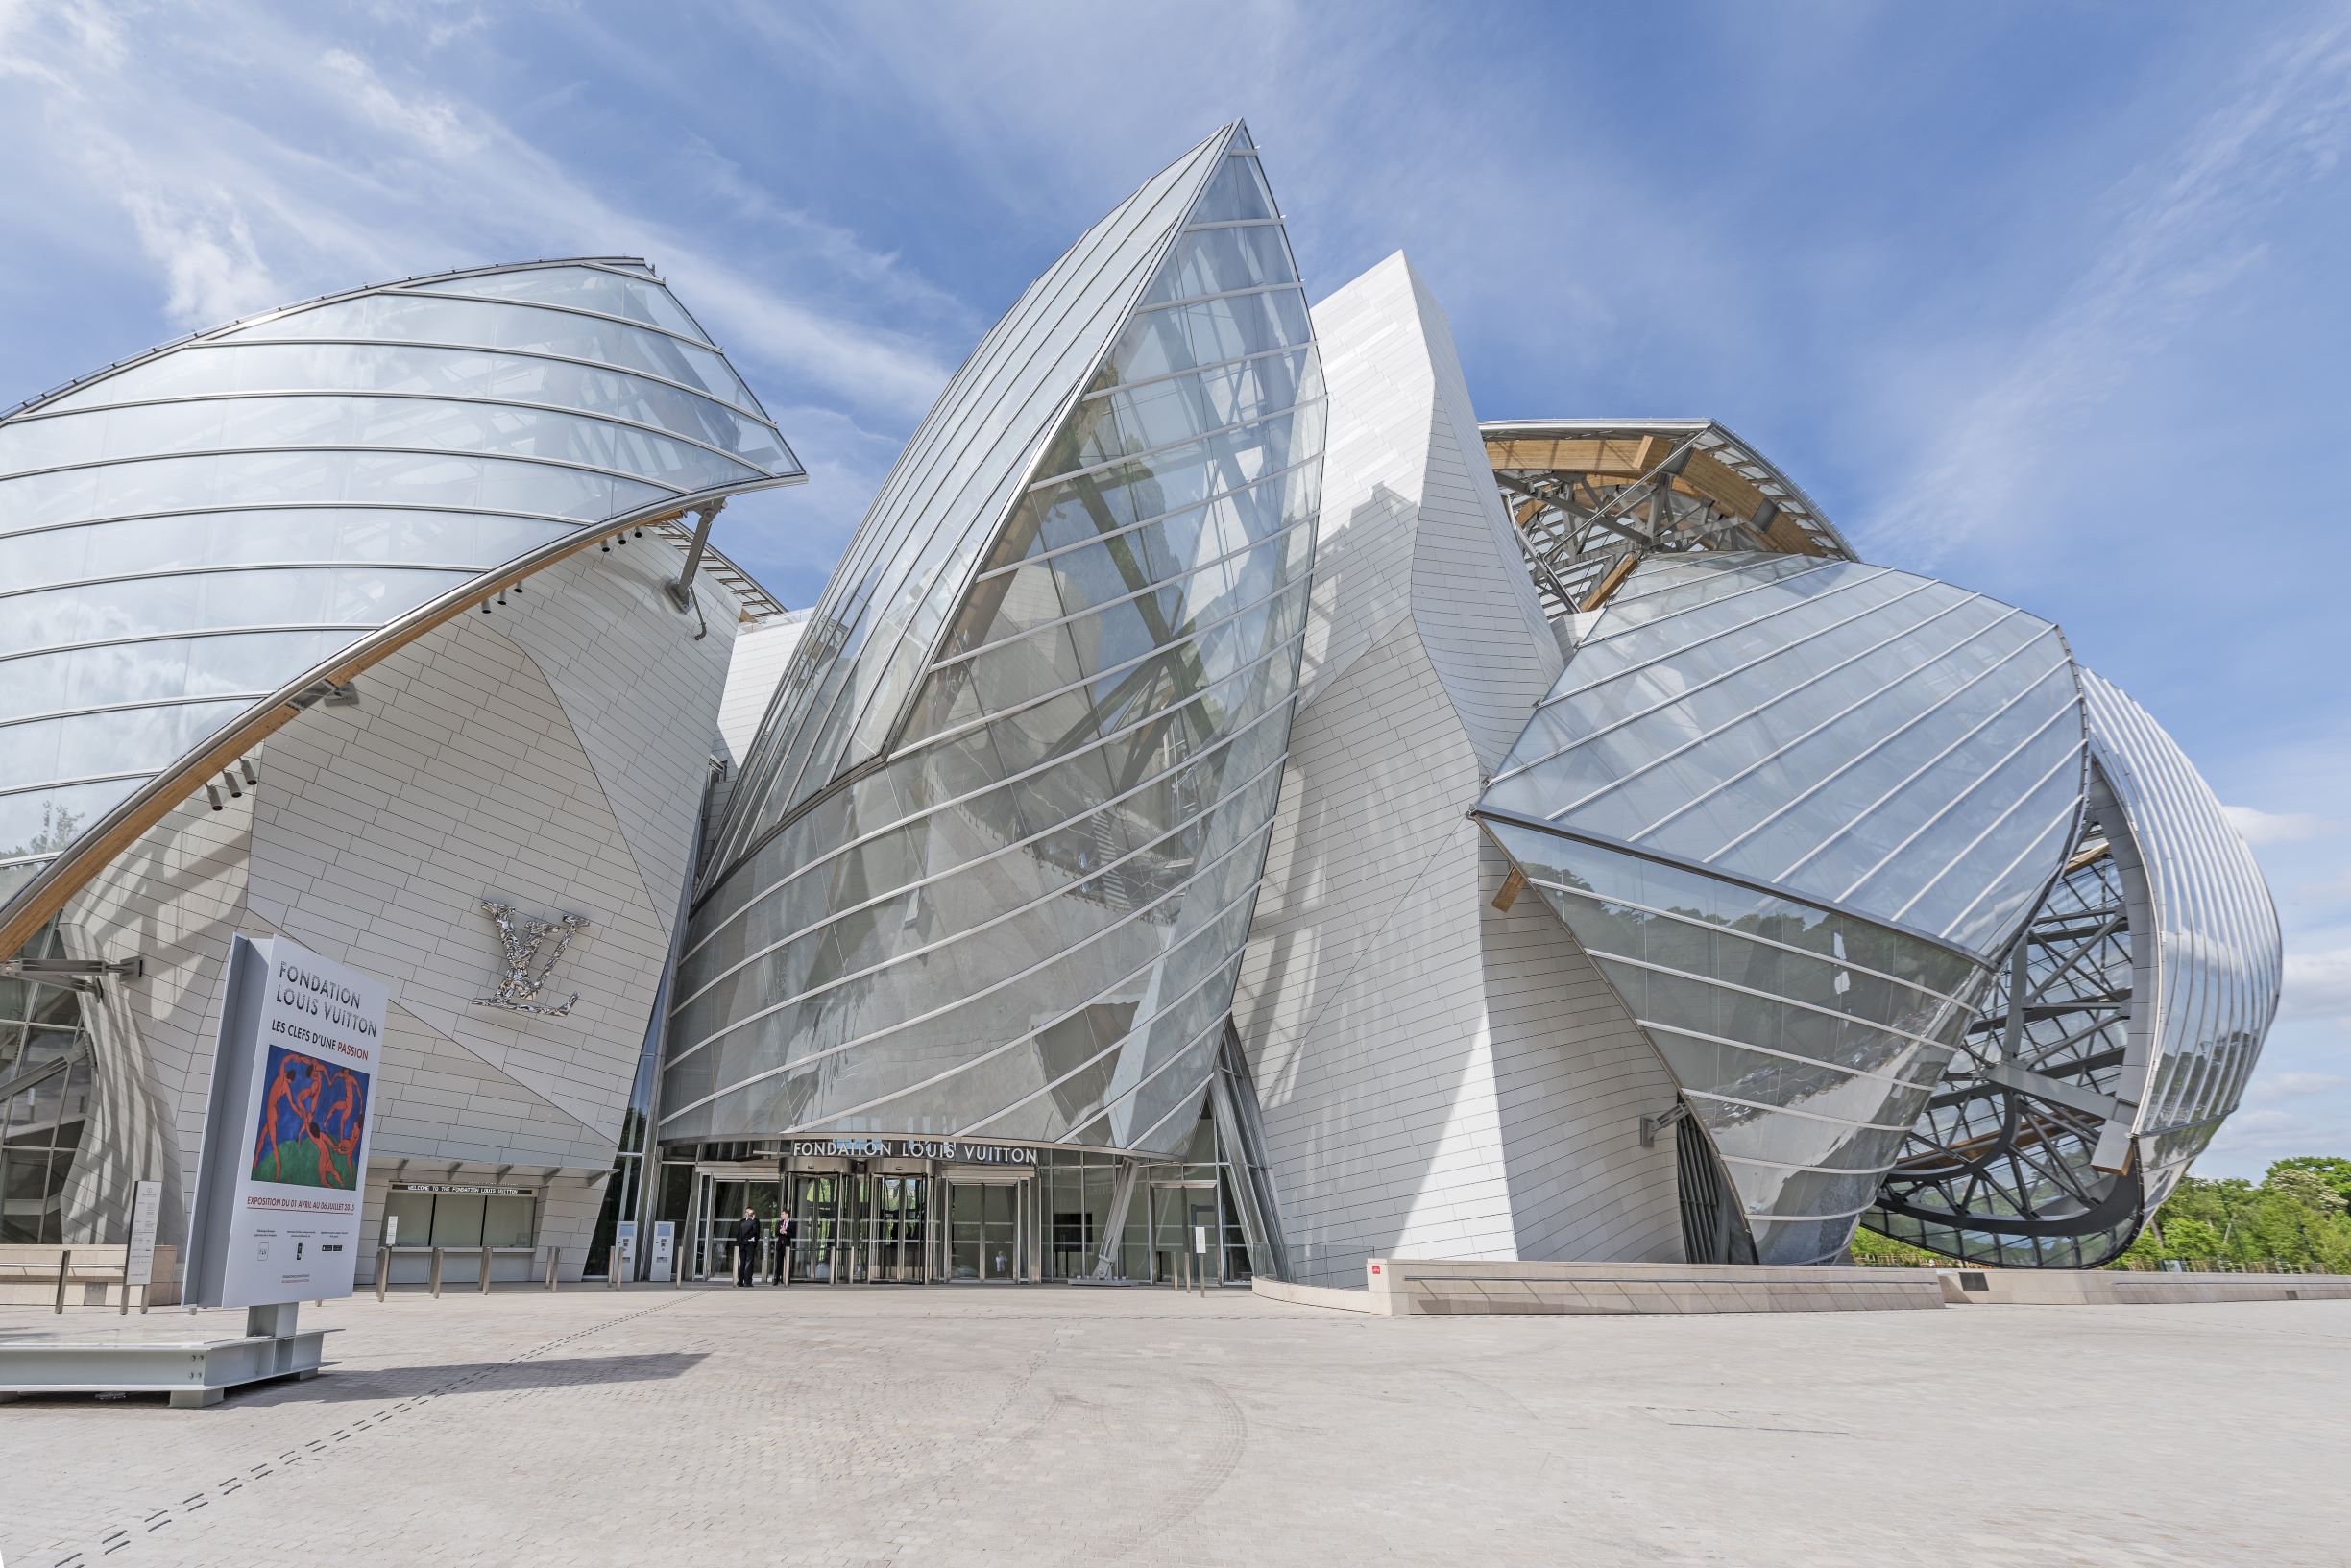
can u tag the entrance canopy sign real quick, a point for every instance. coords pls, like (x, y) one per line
(286, 1138)
(956, 1150)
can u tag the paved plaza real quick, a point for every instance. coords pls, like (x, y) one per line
(1043, 1426)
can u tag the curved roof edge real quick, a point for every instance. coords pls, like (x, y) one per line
(95, 848)
(337, 296)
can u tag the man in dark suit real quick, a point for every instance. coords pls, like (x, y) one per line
(781, 1272)
(746, 1249)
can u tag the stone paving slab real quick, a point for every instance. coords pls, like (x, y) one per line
(930, 1427)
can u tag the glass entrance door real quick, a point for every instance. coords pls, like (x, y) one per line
(986, 1231)
(722, 1207)
(897, 1210)
(854, 1227)
(825, 1210)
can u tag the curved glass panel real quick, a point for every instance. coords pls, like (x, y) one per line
(1880, 742)
(1806, 1041)
(2123, 1029)
(183, 535)
(944, 502)
(1023, 917)
(2217, 953)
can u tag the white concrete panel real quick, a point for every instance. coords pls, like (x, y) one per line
(1435, 1078)
(756, 668)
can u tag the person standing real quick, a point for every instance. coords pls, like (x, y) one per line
(746, 1249)
(781, 1272)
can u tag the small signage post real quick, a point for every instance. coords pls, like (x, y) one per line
(139, 1252)
(665, 1249)
(621, 1264)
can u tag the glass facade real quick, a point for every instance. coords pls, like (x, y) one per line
(185, 533)
(1806, 1041)
(2147, 977)
(1864, 738)
(45, 1084)
(989, 866)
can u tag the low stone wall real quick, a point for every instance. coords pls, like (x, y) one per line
(2103, 1287)
(1422, 1287)
(29, 1275)
(1426, 1287)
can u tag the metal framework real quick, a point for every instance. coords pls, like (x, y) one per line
(2004, 1166)
(1592, 497)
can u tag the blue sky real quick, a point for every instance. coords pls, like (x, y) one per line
(2043, 299)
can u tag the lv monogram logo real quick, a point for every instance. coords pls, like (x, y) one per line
(529, 958)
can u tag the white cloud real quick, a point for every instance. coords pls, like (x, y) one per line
(2261, 827)
(2266, 1087)
(212, 273)
(346, 171)
(2318, 984)
(434, 123)
(2270, 1135)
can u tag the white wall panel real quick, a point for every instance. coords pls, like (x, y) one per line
(1435, 1077)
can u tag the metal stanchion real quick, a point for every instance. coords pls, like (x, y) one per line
(485, 1273)
(438, 1254)
(64, 1268)
(554, 1254)
(383, 1270)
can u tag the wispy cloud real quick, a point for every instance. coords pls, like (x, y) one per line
(2318, 984)
(205, 249)
(2186, 226)
(2260, 826)
(2290, 1085)
(330, 160)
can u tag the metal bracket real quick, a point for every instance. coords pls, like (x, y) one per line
(1651, 1125)
(681, 591)
(329, 694)
(66, 969)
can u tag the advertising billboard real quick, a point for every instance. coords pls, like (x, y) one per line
(284, 1166)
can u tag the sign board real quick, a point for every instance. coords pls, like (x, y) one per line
(913, 1149)
(391, 1230)
(1200, 1239)
(146, 1210)
(665, 1247)
(283, 1170)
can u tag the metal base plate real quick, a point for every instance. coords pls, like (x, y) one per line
(194, 1372)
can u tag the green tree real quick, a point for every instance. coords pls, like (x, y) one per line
(2189, 1239)
(2332, 1171)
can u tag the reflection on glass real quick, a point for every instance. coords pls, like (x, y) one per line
(1021, 919)
(214, 519)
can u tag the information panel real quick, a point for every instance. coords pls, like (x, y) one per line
(139, 1258)
(284, 1166)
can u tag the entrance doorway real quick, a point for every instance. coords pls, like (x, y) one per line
(861, 1226)
(1182, 1212)
(987, 1230)
(724, 1192)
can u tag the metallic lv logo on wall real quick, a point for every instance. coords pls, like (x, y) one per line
(529, 958)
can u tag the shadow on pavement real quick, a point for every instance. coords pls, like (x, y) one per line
(338, 1385)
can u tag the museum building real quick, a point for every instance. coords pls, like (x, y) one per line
(1232, 811)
